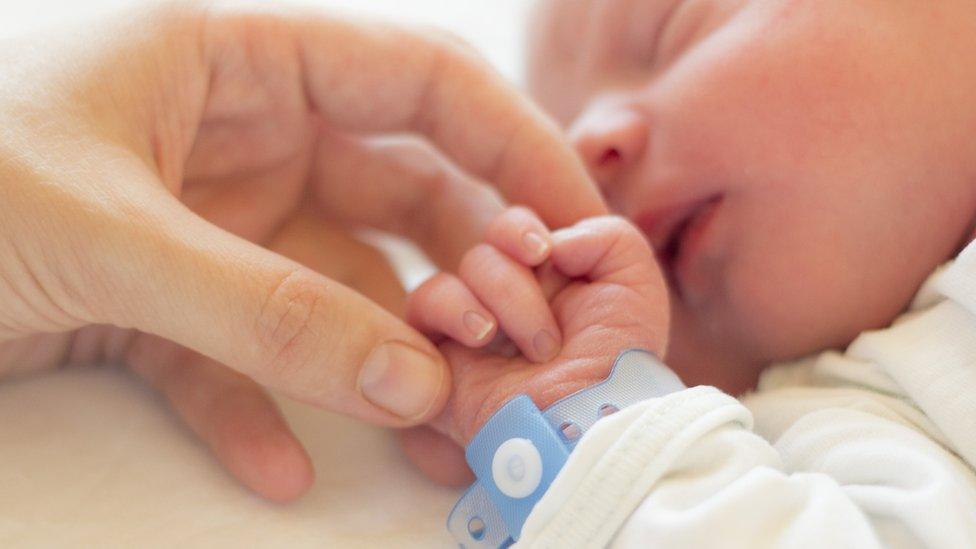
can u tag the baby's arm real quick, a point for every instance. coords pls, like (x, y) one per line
(849, 467)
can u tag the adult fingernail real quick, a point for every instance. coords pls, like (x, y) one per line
(536, 244)
(400, 379)
(477, 324)
(545, 345)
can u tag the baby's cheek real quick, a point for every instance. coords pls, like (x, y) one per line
(793, 297)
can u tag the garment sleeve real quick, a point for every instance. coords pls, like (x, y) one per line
(688, 470)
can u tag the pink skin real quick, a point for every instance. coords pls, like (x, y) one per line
(499, 275)
(602, 290)
(509, 289)
(800, 167)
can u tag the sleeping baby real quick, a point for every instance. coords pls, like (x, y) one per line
(790, 177)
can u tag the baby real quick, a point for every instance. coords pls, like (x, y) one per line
(799, 169)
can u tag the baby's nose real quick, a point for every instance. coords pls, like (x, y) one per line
(610, 139)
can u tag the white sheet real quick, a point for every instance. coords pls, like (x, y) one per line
(92, 458)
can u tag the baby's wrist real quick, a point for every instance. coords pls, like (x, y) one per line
(544, 390)
(522, 447)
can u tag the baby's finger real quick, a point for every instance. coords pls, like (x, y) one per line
(613, 256)
(607, 249)
(443, 305)
(233, 416)
(522, 235)
(510, 291)
(551, 280)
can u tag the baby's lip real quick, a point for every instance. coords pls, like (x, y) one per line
(666, 228)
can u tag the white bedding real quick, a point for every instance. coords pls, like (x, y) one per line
(92, 458)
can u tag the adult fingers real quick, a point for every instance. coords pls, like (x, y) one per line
(404, 186)
(166, 271)
(333, 252)
(231, 414)
(366, 76)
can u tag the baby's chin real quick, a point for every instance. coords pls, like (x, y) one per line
(725, 370)
(703, 352)
(731, 351)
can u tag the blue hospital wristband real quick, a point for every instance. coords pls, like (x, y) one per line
(519, 451)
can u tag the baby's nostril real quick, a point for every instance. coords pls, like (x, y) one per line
(610, 156)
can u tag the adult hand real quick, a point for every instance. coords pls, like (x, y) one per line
(149, 166)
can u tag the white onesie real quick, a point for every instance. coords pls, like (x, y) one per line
(873, 447)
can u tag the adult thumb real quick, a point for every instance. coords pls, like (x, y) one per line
(274, 320)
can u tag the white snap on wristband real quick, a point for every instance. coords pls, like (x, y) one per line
(517, 468)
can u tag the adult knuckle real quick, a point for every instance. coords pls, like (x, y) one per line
(476, 260)
(454, 55)
(448, 60)
(291, 323)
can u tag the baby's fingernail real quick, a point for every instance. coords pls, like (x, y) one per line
(477, 324)
(545, 345)
(536, 244)
(400, 379)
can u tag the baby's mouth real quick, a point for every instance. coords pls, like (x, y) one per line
(676, 234)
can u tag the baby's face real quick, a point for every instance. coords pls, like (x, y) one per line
(800, 166)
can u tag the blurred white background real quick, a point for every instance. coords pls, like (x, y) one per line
(92, 458)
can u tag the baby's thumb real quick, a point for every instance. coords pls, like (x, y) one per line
(270, 318)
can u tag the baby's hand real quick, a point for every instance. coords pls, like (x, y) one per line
(568, 302)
